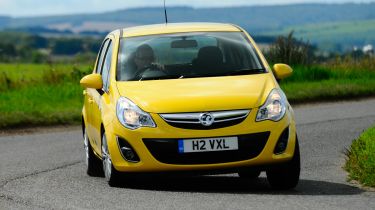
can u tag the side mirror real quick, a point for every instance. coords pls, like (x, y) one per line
(282, 71)
(92, 81)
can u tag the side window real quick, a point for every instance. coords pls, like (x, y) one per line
(107, 66)
(101, 56)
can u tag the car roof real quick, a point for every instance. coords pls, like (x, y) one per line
(177, 28)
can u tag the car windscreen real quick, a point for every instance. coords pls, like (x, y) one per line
(186, 55)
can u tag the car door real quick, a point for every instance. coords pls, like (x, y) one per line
(90, 103)
(98, 95)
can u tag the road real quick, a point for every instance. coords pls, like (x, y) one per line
(45, 170)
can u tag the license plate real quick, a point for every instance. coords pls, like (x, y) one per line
(207, 144)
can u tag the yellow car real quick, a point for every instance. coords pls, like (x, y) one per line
(188, 97)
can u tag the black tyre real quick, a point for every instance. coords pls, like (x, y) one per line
(249, 173)
(112, 176)
(93, 163)
(287, 175)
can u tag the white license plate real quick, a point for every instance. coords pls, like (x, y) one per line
(207, 144)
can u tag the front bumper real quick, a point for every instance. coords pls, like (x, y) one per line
(151, 162)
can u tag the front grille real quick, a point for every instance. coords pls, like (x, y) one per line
(166, 150)
(221, 119)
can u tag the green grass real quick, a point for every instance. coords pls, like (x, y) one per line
(328, 90)
(329, 82)
(361, 159)
(41, 104)
(40, 94)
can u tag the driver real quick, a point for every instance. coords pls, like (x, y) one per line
(139, 61)
(144, 57)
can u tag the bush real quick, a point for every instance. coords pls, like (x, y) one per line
(290, 51)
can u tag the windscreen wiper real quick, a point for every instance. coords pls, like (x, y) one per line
(247, 71)
(162, 77)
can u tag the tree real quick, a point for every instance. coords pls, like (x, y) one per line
(67, 46)
(7, 51)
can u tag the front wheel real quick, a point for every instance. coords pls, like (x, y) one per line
(286, 176)
(111, 174)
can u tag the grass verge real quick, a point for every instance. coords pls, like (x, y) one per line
(361, 159)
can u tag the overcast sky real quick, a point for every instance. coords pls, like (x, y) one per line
(55, 7)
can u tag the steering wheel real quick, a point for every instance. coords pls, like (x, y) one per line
(151, 67)
(140, 72)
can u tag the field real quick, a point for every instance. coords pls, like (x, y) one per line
(339, 79)
(42, 94)
(329, 34)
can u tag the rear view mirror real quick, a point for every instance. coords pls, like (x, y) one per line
(282, 71)
(184, 44)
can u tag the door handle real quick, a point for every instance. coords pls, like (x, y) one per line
(91, 100)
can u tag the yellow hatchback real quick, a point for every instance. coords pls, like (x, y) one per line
(189, 97)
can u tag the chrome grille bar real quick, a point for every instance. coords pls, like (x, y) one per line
(194, 117)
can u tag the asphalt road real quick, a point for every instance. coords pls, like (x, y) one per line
(45, 170)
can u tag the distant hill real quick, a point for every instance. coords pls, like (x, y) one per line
(258, 20)
(4, 20)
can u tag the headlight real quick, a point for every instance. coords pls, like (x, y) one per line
(274, 108)
(131, 116)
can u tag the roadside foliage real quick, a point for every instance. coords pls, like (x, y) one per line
(361, 159)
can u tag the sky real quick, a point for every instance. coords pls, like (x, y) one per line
(19, 8)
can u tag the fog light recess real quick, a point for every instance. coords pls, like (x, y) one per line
(282, 143)
(127, 151)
